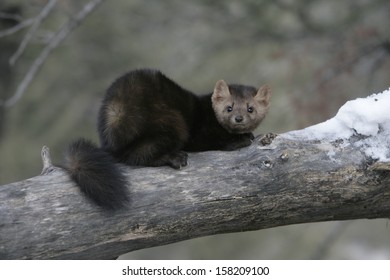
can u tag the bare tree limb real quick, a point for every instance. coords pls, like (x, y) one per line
(62, 33)
(16, 28)
(15, 17)
(30, 34)
(286, 182)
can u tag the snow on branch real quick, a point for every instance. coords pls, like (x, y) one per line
(364, 121)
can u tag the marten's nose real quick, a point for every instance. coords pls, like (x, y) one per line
(239, 119)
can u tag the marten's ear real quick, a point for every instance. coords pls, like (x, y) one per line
(221, 91)
(263, 95)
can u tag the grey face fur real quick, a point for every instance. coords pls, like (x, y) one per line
(240, 109)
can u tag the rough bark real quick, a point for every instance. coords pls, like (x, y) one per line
(261, 186)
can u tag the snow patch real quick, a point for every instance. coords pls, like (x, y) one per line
(368, 118)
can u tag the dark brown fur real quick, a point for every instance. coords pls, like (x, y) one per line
(147, 119)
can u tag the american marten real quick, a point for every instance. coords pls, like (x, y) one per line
(146, 119)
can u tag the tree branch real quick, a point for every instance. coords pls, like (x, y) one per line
(286, 182)
(62, 33)
(11, 16)
(27, 38)
(16, 28)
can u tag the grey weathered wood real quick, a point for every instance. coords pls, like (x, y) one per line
(286, 182)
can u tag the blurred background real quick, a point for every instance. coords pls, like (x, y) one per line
(57, 58)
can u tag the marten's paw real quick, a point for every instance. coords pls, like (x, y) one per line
(267, 139)
(177, 160)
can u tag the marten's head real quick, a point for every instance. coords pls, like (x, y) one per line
(240, 109)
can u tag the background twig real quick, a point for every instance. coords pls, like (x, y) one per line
(62, 33)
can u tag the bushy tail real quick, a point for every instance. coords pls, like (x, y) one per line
(97, 174)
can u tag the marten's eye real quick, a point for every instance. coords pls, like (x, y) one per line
(250, 109)
(229, 109)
